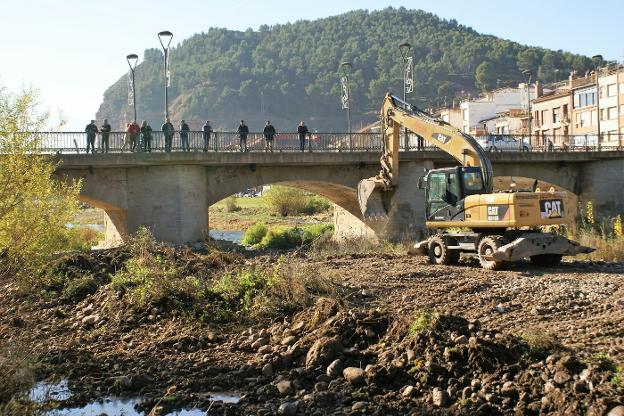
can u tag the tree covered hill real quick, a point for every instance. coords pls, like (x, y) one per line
(290, 72)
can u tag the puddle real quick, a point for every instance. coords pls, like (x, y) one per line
(224, 397)
(234, 236)
(44, 391)
(96, 227)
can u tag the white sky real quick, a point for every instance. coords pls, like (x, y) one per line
(72, 50)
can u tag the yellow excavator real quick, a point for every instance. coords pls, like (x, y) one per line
(461, 207)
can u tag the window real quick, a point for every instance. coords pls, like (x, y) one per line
(556, 115)
(612, 113)
(544, 116)
(472, 181)
(593, 118)
(585, 119)
(586, 97)
(465, 114)
(603, 90)
(602, 114)
(611, 90)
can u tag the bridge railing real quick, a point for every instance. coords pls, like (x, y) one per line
(120, 142)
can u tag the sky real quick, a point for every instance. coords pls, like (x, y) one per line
(73, 50)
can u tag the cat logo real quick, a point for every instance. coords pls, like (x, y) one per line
(442, 138)
(551, 208)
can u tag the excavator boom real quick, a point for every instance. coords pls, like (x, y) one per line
(396, 114)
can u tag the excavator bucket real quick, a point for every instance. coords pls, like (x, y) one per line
(370, 197)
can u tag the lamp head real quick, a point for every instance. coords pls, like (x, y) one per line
(405, 48)
(132, 60)
(346, 67)
(165, 37)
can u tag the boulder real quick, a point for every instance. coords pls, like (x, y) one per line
(334, 369)
(323, 351)
(354, 375)
(288, 409)
(285, 387)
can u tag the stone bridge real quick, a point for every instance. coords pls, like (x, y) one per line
(171, 192)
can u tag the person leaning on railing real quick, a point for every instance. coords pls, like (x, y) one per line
(91, 131)
(302, 131)
(168, 131)
(105, 130)
(184, 136)
(242, 131)
(207, 131)
(134, 131)
(269, 134)
(146, 136)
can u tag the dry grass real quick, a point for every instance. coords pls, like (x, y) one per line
(17, 371)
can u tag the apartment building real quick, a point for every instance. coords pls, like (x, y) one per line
(610, 111)
(513, 121)
(551, 117)
(487, 107)
(451, 115)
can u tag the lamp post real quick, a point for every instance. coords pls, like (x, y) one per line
(346, 96)
(596, 59)
(165, 37)
(527, 74)
(408, 84)
(132, 63)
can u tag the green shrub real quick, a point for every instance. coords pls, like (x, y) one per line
(285, 200)
(282, 238)
(423, 322)
(315, 204)
(313, 232)
(77, 289)
(238, 290)
(540, 343)
(231, 205)
(254, 234)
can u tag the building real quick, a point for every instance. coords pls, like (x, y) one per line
(451, 115)
(474, 112)
(611, 106)
(513, 121)
(551, 117)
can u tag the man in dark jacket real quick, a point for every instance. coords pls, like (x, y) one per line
(146, 134)
(302, 131)
(91, 131)
(134, 130)
(242, 131)
(105, 130)
(269, 135)
(168, 131)
(207, 131)
(184, 136)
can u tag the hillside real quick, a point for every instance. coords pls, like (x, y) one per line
(290, 72)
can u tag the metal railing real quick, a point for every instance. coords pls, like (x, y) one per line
(120, 142)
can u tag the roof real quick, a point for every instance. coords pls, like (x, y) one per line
(553, 95)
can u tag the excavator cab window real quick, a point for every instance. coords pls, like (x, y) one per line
(443, 190)
(472, 180)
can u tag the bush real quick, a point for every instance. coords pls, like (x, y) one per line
(254, 234)
(78, 289)
(231, 205)
(423, 322)
(285, 200)
(314, 232)
(282, 238)
(315, 204)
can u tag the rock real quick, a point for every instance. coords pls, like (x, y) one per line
(260, 342)
(411, 355)
(288, 409)
(354, 375)
(409, 391)
(323, 351)
(320, 386)
(289, 340)
(90, 320)
(561, 377)
(509, 390)
(267, 370)
(359, 406)
(579, 387)
(369, 333)
(616, 411)
(285, 387)
(123, 382)
(265, 349)
(440, 398)
(334, 369)
(141, 380)
(461, 340)
(500, 308)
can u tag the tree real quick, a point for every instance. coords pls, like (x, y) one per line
(34, 206)
(485, 76)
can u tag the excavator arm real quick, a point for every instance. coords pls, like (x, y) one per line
(397, 114)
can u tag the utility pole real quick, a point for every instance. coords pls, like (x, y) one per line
(132, 63)
(527, 74)
(346, 96)
(596, 59)
(408, 81)
(167, 36)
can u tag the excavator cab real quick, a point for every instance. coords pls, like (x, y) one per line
(447, 188)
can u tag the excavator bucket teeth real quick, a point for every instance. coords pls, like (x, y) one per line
(370, 200)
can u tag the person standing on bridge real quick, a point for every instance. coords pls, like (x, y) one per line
(184, 136)
(91, 131)
(105, 130)
(269, 135)
(146, 133)
(242, 131)
(168, 131)
(134, 130)
(207, 131)
(302, 131)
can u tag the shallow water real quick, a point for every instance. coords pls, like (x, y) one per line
(233, 236)
(44, 391)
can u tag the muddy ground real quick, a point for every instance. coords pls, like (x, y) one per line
(356, 353)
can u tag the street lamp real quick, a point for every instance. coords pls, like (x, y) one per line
(405, 49)
(346, 96)
(527, 75)
(132, 63)
(596, 59)
(165, 37)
